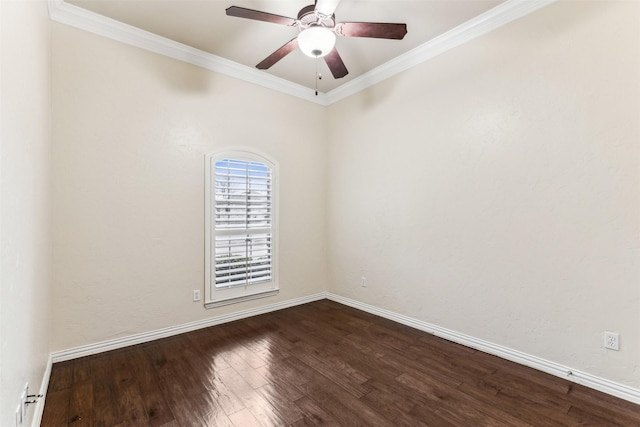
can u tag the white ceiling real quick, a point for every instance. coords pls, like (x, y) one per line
(203, 24)
(199, 32)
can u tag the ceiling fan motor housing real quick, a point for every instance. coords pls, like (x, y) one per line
(309, 17)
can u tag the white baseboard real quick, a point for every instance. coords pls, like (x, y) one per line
(601, 384)
(99, 347)
(44, 386)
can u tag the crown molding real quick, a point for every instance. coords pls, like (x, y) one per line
(478, 26)
(77, 17)
(74, 16)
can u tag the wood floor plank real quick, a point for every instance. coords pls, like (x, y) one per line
(582, 396)
(426, 373)
(238, 361)
(278, 398)
(155, 405)
(106, 413)
(584, 417)
(393, 407)
(596, 415)
(320, 363)
(365, 346)
(295, 371)
(81, 403)
(56, 408)
(431, 390)
(210, 410)
(284, 379)
(188, 412)
(349, 363)
(62, 376)
(252, 400)
(131, 405)
(227, 399)
(527, 410)
(465, 413)
(340, 404)
(313, 414)
(358, 355)
(81, 370)
(244, 418)
(431, 417)
(342, 374)
(397, 389)
(517, 375)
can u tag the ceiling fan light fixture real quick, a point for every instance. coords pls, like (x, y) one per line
(316, 41)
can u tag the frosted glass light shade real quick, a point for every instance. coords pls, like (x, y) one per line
(316, 42)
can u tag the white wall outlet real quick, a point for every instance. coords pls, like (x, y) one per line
(363, 282)
(23, 400)
(612, 340)
(196, 295)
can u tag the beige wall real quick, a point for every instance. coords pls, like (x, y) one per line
(131, 130)
(494, 190)
(25, 244)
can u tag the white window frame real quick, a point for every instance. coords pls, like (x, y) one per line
(219, 297)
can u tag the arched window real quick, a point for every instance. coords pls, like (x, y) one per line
(241, 221)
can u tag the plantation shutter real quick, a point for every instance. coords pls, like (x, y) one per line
(243, 223)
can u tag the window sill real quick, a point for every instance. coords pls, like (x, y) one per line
(220, 303)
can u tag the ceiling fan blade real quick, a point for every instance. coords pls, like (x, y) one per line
(327, 7)
(278, 54)
(241, 12)
(335, 64)
(378, 30)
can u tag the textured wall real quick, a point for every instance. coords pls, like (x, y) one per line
(25, 268)
(494, 190)
(131, 129)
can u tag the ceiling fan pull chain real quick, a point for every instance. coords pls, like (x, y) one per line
(318, 77)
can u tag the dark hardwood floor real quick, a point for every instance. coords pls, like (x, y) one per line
(317, 364)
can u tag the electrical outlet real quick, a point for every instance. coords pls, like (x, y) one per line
(363, 282)
(612, 340)
(23, 400)
(196, 295)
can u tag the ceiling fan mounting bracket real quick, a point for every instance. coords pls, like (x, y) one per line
(310, 17)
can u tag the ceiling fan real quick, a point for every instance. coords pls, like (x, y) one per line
(318, 30)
